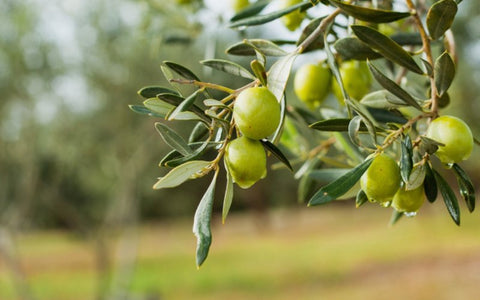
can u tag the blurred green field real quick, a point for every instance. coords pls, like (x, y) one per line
(329, 252)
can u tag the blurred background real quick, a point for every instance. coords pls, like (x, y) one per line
(78, 216)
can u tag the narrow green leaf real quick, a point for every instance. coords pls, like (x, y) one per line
(183, 106)
(228, 67)
(158, 106)
(428, 67)
(394, 88)
(201, 222)
(181, 70)
(448, 197)
(354, 128)
(406, 161)
(430, 184)
(180, 174)
(386, 116)
(228, 197)
(251, 10)
(247, 48)
(213, 103)
(361, 198)
(353, 48)
(278, 74)
(396, 215)
(174, 154)
(176, 100)
(140, 109)
(444, 73)
(173, 139)
(277, 153)
(340, 186)
(153, 91)
(382, 99)
(198, 132)
(262, 19)
(192, 156)
(370, 14)
(335, 70)
(318, 43)
(386, 47)
(336, 125)
(467, 189)
(416, 178)
(440, 17)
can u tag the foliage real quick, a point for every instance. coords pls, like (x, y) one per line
(409, 50)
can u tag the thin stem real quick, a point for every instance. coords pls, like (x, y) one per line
(205, 85)
(396, 134)
(428, 53)
(318, 31)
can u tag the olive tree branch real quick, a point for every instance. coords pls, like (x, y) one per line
(427, 49)
(318, 31)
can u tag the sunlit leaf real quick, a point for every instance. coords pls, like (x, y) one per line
(180, 174)
(201, 222)
(173, 139)
(340, 186)
(386, 47)
(278, 74)
(444, 73)
(448, 197)
(440, 17)
(228, 67)
(370, 14)
(467, 189)
(267, 47)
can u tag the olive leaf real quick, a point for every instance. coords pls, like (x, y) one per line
(417, 177)
(448, 197)
(307, 31)
(262, 19)
(340, 186)
(353, 48)
(228, 196)
(181, 70)
(361, 198)
(430, 184)
(183, 106)
(140, 109)
(394, 88)
(153, 91)
(466, 187)
(336, 125)
(396, 215)
(276, 152)
(248, 47)
(444, 73)
(440, 17)
(180, 174)
(228, 67)
(278, 74)
(201, 222)
(406, 161)
(386, 47)
(251, 10)
(370, 14)
(173, 139)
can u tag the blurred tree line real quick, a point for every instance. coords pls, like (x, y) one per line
(71, 152)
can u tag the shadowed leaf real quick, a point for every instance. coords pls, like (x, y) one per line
(440, 17)
(444, 73)
(448, 197)
(370, 14)
(467, 189)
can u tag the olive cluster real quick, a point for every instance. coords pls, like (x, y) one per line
(382, 181)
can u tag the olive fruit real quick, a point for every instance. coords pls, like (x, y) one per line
(456, 136)
(381, 180)
(246, 161)
(356, 80)
(312, 84)
(256, 112)
(238, 5)
(292, 20)
(408, 201)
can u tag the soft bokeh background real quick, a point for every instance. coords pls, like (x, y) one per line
(78, 217)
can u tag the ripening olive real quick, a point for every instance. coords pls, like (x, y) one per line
(292, 20)
(312, 84)
(409, 201)
(246, 161)
(256, 112)
(381, 180)
(455, 134)
(356, 79)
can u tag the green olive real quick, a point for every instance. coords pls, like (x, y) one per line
(292, 20)
(356, 78)
(409, 201)
(246, 161)
(256, 112)
(312, 84)
(455, 134)
(381, 180)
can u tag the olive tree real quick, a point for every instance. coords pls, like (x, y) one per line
(389, 64)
